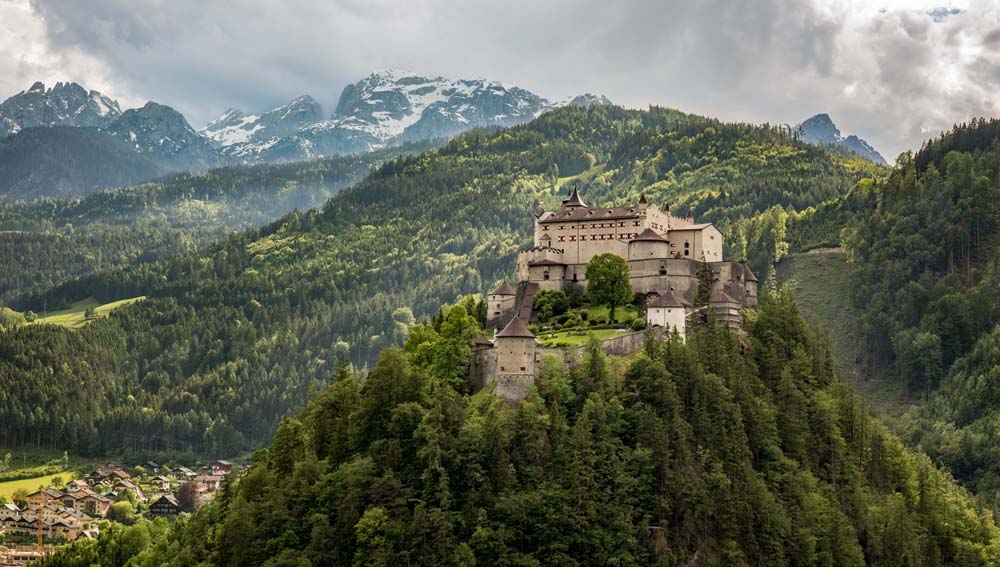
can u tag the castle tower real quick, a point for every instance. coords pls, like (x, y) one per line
(669, 311)
(515, 370)
(500, 305)
(648, 244)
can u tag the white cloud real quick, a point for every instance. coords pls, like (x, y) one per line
(893, 72)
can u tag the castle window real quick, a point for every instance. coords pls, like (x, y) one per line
(687, 244)
(545, 275)
(663, 270)
(524, 369)
(572, 238)
(562, 239)
(496, 313)
(545, 228)
(635, 223)
(561, 227)
(687, 252)
(621, 224)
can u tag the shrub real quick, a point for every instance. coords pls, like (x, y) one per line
(638, 324)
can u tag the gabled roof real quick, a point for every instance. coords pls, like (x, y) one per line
(583, 213)
(648, 235)
(669, 299)
(168, 497)
(574, 199)
(721, 297)
(516, 328)
(480, 340)
(503, 289)
(642, 199)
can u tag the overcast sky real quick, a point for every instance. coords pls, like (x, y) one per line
(891, 71)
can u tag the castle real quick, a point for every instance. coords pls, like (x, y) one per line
(663, 252)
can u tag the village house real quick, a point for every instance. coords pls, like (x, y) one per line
(165, 505)
(220, 468)
(160, 483)
(209, 482)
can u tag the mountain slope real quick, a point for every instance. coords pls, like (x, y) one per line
(820, 129)
(258, 319)
(46, 242)
(67, 162)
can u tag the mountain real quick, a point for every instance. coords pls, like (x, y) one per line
(388, 107)
(46, 242)
(68, 162)
(164, 135)
(65, 104)
(820, 129)
(284, 302)
(588, 99)
(245, 136)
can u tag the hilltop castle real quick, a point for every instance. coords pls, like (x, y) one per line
(663, 252)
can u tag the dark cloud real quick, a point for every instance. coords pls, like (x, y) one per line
(763, 60)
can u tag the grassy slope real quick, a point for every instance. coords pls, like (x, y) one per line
(74, 317)
(820, 281)
(7, 489)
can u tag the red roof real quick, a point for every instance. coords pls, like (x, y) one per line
(503, 289)
(481, 340)
(516, 328)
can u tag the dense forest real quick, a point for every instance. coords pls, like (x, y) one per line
(48, 241)
(711, 452)
(232, 336)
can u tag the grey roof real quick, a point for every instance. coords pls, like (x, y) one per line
(574, 199)
(503, 289)
(584, 213)
(516, 328)
(648, 235)
(747, 274)
(481, 340)
(669, 299)
(721, 297)
(546, 263)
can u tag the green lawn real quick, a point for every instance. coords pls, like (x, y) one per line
(626, 313)
(572, 338)
(74, 317)
(7, 489)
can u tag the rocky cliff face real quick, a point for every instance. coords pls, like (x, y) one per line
(820, 129)
(65, 104)
(162, 134)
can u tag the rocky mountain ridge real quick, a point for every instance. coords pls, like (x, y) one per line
(820, 129)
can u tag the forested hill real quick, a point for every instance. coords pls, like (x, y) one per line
(48, 241)
(233, 336)
(705, 453)
(923, 246)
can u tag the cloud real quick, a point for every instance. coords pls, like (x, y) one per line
(892, 72)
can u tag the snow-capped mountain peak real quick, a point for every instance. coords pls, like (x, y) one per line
(389, 106)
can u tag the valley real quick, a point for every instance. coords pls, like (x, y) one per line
(209, 315)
